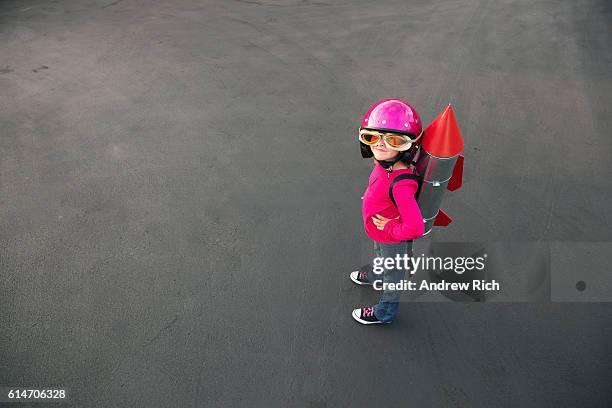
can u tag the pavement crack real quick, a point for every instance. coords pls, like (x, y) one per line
(162, 330)
(111, 4)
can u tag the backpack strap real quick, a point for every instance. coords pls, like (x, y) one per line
(401, 177)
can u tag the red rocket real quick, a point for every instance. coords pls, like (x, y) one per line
(440, 164)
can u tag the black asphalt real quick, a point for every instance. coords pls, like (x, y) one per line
(180, 189)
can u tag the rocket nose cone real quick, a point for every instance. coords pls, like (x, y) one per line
(442, 137)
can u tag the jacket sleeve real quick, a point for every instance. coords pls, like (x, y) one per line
(410, 223)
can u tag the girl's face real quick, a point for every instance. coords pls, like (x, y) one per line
(382, 152)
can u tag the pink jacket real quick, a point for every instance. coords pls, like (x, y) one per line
(376, 200)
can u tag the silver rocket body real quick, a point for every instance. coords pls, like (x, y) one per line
(436, 173)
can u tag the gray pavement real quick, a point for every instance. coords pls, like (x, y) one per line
(180, 184)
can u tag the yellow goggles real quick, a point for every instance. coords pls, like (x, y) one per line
(393, 140)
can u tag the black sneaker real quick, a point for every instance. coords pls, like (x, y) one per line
(366, 316)
(360, 278)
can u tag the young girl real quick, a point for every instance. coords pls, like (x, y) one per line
(390, 132)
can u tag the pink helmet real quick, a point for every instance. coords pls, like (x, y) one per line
(391, 115)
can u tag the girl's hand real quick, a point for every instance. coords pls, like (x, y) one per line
(381, 221)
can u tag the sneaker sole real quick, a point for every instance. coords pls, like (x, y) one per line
(360, 320)
(360, 283)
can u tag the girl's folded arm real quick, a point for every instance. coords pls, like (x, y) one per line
(410, 223)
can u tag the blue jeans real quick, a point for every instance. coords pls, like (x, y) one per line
(386, 309)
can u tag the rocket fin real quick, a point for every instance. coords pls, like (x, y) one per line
(442, 219)
(456, 179)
